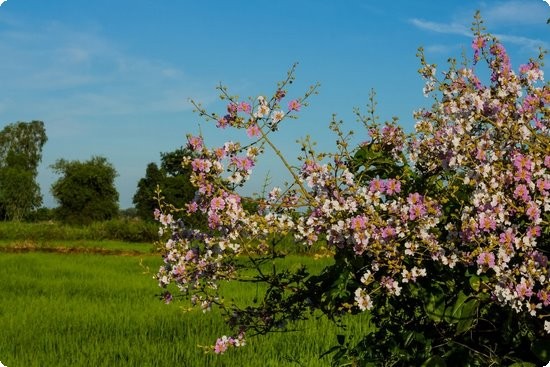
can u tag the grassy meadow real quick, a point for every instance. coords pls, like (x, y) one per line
(94, 308)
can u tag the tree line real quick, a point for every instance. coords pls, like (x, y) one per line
(85, 190)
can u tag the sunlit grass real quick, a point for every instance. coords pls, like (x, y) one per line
(97, 310)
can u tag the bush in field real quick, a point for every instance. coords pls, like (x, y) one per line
(85, 191)
(130, 230)
(442, 236)
(41, 215)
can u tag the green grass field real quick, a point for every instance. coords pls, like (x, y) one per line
(89, 309)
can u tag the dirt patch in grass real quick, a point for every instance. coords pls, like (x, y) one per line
(28, 246)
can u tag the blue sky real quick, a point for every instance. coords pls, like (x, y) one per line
(113, 77)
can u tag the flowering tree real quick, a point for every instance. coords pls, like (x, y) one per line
(442, 236)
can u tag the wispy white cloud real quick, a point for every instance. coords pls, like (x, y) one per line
(516, 12)
(528, 43)
(452, 28)
(70, 74)
(501, 14)
(442, 49)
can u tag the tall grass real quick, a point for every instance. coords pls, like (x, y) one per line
(92, 310)
(129, 230)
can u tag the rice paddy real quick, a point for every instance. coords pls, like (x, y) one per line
(92, 309)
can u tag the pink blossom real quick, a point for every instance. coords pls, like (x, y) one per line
(190, 255)
(244, 107)
(201, 165)
(244, 163)
(486, 259)
(294, 105)
(166, 219)
(222, 344)
(309, 166)
(523, 68)
(214, 219)
(507, 237)
(192, 207)
(205, 188)
(392, 137)
(232, 108)
(481, 155)
(388, 232)
(524, 290)
(531, 71)
(414, 198)
(253, 130)
(393, 186)
(377, 185)
(521, 192)
(477, 44)
(532, 211)
(220, 153)
(391, 285)
(530, 103)
(217, 203)
(522, 175)
(539, 258)
(358, 223)
(195, 142)
(533, 231)
(487, 223)
(543, 185)
(223, 122)
(416, 211)
(501, 63)
(544, 297)
(523, 162)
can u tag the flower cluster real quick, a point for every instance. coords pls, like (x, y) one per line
(470, 189)
(225, 342)
(494, 138)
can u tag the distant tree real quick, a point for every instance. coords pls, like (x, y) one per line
(171, 178)
(86, 190)
(128, 213)
(144, 198)
(20, 154)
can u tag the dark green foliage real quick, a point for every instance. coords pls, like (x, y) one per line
(41, 214)
(128, 213)
(20, 153)
(129, 230)
(86, 190)
(172, 179)
(144, 198)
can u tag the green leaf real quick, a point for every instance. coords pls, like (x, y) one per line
(475, 282)
(456, 311)
(435, 307)
(523, 364)
(541, 348)
(434, 361)
(467, 316)
(462, 313)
